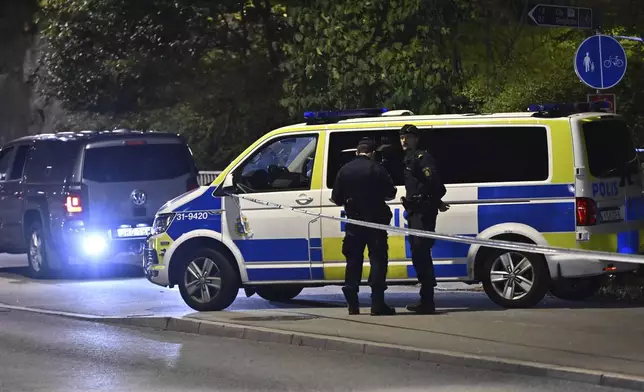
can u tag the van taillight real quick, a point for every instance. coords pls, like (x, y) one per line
(586, 211)
(192, 184)
(73, 204)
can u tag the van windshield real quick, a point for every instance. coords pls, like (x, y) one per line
(610, 148)
(144, 162)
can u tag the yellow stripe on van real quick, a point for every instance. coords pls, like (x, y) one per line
(601, 242)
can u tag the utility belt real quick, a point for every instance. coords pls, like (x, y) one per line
(418, 203)
(367, 213)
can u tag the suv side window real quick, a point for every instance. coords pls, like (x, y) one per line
(5, 160)
(342, 149)
(18, 167)
(50, 161)
(283, 164)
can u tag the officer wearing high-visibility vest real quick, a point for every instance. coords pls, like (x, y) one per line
(424, 191)
(362, 187)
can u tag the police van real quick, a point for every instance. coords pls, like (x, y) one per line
(556, 175)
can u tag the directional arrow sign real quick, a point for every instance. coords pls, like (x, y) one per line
(561, 16)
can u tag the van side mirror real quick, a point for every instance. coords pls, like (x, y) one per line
(227, 187)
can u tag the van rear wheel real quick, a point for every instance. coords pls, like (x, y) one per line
(278, 293)
(208, 281)
(575, 289)
(515, 279)
(37, 254)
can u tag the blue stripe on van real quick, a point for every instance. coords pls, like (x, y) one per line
(443, 271)
(444, 249)
(525, 191)
(268, 274)
(543, 217)
(179, 227)
(202, 203)
(635, 209)
(628, 242)
(266, 250)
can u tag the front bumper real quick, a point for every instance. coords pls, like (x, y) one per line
(155, 269)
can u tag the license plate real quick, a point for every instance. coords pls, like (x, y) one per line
(612, 215)
(134, 232)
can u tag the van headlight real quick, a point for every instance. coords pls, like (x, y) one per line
(161, 223)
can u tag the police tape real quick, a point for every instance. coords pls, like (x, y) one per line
(488, 243)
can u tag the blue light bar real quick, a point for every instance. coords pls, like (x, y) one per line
(343, 114)
(579, 107)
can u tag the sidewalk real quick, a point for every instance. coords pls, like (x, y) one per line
(588, 337)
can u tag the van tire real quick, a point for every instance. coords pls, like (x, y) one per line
(205, 293)
(575, 289)
(278, 293)
(37, 255)
(536, 274)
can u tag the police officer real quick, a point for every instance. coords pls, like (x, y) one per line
(362, 186)
(424, 190)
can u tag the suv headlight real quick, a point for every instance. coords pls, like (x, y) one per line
(161, 223)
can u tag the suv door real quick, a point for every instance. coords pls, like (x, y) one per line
(278, 244)
(6, 156)
(13, 194)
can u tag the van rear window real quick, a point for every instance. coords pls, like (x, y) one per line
(610, 148)
(144, 162)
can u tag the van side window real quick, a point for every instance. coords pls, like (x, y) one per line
(489, 154)
(342, 149)
(5, 160)
(284, 164)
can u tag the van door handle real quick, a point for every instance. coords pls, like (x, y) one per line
(303, 199)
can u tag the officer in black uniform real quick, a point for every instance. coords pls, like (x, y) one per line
(424, 190)
(363, 186)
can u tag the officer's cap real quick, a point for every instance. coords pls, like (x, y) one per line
(409, 129)
(367, 145)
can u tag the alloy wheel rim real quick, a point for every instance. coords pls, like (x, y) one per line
(512, 276)
(202, 280)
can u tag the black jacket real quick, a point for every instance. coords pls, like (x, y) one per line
(422, 178)
(363, 186)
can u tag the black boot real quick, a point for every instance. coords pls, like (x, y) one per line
(353, 303)
(378, 305)
(426, 304)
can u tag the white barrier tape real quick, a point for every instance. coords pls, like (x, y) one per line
(509, 245)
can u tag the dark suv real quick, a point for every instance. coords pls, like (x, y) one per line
(88, 197)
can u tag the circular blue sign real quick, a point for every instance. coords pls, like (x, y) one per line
(600, 62)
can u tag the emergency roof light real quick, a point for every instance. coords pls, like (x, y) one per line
(331, 116)
(564, 109)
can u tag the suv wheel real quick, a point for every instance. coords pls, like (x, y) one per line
(278, 293)
(514, 279)
(37, 252)
(208, 281)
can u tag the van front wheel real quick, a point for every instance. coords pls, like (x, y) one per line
(278, 293)
(514, 279)
(208, 282)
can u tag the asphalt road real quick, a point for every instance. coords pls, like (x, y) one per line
(113, 290)
(50, 353)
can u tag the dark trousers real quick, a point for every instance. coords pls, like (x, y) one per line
(421, 252)
(356, 238)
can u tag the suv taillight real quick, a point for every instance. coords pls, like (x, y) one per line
(192, 184)
(586, 211)
(73, 204)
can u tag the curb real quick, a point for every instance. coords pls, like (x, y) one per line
(333, 343)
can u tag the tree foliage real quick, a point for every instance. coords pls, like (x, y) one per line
(225, 72)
